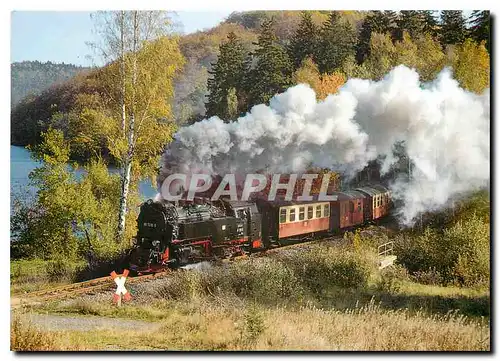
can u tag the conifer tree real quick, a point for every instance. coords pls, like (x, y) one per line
(336, 44)
(272, 72)
(363, 45)
(480, 26)
(409, 21)
(429, 23)
(227, 74)
(390, 19)
(377, 22)
(453, 30)
(304, 42)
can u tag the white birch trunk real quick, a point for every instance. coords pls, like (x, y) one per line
(122, 68)
(127, 165)
(126, 179)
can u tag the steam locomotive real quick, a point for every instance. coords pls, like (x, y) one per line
(173, 235)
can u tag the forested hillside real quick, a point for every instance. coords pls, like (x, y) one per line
(33, 77)
(253, 55)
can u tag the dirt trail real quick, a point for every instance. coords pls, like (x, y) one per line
(86, 323)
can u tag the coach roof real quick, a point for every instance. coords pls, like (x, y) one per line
(370, 191)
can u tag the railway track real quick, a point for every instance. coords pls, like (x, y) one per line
(79, 288)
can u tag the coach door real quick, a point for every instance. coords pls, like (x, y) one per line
(335, 216)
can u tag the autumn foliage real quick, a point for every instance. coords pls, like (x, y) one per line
(323, 84)
(329, 84)
(472, 66)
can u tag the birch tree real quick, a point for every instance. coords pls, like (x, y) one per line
(142, 61)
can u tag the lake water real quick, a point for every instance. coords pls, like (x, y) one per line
(21, 165)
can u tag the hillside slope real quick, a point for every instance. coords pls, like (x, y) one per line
(33, 77)
(52, 91)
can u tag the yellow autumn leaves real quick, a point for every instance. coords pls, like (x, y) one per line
(470, 62)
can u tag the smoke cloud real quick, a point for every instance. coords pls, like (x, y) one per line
(446, 130)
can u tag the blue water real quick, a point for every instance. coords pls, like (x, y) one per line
(21, 164)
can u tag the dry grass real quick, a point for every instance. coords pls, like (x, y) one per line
(24, 336)
(249, 327)
(371, 329)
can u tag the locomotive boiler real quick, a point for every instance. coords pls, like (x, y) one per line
(177, 234)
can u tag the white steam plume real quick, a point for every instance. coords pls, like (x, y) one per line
(446, 130)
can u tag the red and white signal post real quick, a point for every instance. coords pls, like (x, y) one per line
(120, 289)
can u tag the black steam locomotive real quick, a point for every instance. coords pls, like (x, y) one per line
(175, 235)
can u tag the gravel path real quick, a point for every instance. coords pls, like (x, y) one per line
(86, 323)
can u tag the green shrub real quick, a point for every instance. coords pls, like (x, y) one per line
(428, 277)
(61, 269)
(32, 274)
(71, 216)
(472, 251)
(323, 267)
(253, 326)
(459, 254)
(265, 280)
(391, 277)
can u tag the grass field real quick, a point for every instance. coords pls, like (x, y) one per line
(326, 299)
(34, 275)
(222, 326)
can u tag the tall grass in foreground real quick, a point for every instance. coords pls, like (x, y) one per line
(253, 327)
(25, 337)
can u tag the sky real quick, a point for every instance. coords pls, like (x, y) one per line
(61, 36)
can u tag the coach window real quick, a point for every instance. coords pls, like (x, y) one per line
(318, 211)
(283, 215)
(359, 206)
(291, 217)
(301, 213)
(326, 210)
(310, 212)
